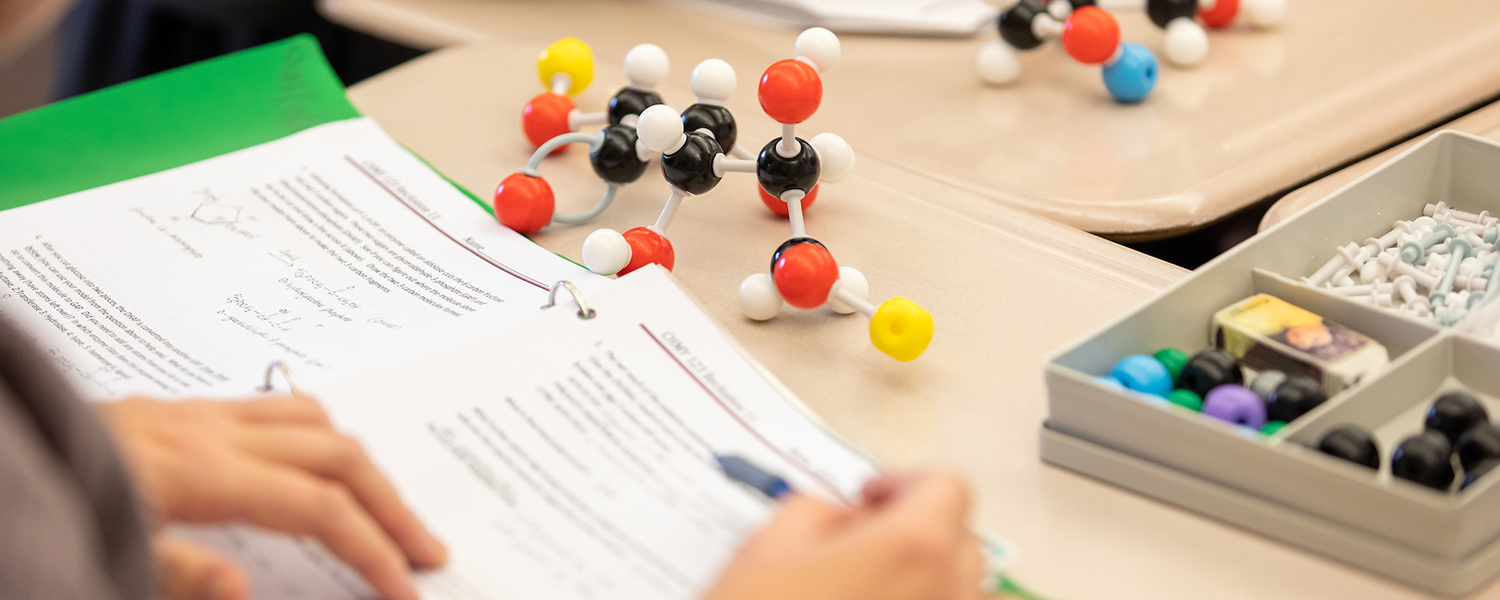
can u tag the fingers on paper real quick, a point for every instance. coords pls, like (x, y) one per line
(187, 571)
(298, 503)
(342, 459)
(280, 410)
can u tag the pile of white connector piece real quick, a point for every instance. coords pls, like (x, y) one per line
(1440, 266)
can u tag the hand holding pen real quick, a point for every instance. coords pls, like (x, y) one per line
(907, 539)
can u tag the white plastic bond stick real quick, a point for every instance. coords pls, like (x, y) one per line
(1345, 260)
(788, 147)
(1407, 287)
(793, 199)
(560, 84)
(1046, 27)
(741, 152)
(1475, 282)
(1442, 210)
(860, 304)
(667, 212)
(1423, 278)
(1354, 255)
(724, 164)
(1363, 290)
(578, 119)
(1400, 227)
(1325, 273)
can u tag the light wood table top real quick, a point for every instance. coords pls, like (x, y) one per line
(1268, 109)
(1007, 288)
(1484, 122)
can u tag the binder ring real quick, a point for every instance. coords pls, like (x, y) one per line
(286, 373)
(584, 312)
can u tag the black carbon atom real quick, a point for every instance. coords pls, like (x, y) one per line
(1353, 444)
(1454, 413)
(777, 173)
(1425, 458)
(1164, 11)
(1480, 443)
(1209, 369)
(616, 161)
(714, 118)
(631, 101)
(691, 167)
(1293, 398)
(1015, 24)
(775, 256)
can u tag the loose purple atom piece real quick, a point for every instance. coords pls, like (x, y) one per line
(1234, 404)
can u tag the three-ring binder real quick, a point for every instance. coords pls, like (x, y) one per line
(584, 312)
(286, 373)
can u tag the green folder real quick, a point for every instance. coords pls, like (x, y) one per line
(170, 119)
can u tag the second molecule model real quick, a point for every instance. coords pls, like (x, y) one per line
(1089, 34)
(1185, 42)
(697, 148)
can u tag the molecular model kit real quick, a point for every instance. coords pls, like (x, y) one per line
(1089, 34)
(697, 148)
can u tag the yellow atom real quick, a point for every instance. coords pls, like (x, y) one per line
(901, 329)
(571, 57)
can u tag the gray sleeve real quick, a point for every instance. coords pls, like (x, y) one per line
(70, 524)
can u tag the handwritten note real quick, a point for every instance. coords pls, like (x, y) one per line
(333, 249)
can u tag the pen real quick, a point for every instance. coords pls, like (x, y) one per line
(746, 472)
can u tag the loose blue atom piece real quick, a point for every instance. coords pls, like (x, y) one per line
(1143, 374)
(1132, 76)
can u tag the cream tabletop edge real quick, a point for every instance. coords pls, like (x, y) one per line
(1484, 122)
(1007, 288)
(1265, 111)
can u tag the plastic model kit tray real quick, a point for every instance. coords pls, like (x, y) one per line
(1279, 485)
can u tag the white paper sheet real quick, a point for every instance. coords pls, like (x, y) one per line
(334, 249)
(573, 459)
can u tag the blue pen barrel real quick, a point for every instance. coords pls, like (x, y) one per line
(746, 472)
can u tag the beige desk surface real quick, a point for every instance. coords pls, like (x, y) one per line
(1484, 122)
(1007, 287)
(1268, 109)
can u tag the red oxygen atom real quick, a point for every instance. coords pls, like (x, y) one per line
(648, 247)
(1221, 15)
(546, 117)
(804, 274)
(790, 91)
(523, 203)
(1091, 35)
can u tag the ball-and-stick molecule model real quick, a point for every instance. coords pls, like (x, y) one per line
(1185, 42)
(1089, 34)
(551, 120)
(697, 148)
(803, 273)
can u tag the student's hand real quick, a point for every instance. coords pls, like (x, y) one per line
(907, 541)
(276, 462)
